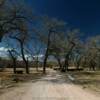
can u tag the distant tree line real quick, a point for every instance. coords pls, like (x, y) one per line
(27, 34)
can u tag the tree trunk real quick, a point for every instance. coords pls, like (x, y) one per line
(78, 63)
(66, 64)
(14, 66)
(22, 52)
(59, 62)
(27, 67)
(92, 65)
(45, 62)
(37, 66)
(47, 53)
(24, 59)
(14, 61)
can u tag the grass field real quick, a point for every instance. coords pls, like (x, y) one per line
(9, 80)
(87, 79)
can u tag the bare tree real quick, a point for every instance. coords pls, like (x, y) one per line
(35, 53)
(64, 47)
(12, 54)
(78, 55)
(92, 53)
(22, 39)
(53, 26)
(14, 19)
(12, 16)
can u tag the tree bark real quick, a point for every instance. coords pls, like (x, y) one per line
(22, 52)
(47, 53)
(66, 64)
(59, 62)
(14, 61)
(78, 62)
(24, 59)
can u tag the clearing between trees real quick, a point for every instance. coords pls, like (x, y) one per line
(52, 86)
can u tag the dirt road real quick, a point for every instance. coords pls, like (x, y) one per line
(53, 86)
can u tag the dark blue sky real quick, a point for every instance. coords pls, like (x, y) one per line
(82, 14)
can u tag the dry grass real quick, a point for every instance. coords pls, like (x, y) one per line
(8, 80)
(88, 79)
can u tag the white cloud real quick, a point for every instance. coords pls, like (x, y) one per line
(3, 49)
(3, 52)
(39, 56)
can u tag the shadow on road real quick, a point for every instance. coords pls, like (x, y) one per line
(54, 77)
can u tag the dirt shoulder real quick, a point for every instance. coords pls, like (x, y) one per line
(53, 86)
(9, 81)
(88, 80)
